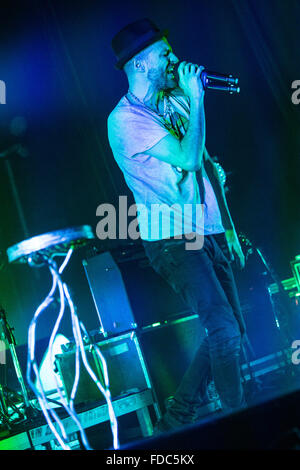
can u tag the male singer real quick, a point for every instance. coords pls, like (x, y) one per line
(157, 136)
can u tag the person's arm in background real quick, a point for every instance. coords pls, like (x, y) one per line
(231, 235)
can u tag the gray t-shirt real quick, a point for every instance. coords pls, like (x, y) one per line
(167, 197)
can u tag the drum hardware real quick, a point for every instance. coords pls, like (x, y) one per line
(6, 400)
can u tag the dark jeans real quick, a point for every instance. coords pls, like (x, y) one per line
(205, 281)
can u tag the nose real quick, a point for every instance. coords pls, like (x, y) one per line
(173, 58)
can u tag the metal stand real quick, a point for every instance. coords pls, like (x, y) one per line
(6, 154)
(5, 401)
(9, 336)
(285, 337)
(4, 419)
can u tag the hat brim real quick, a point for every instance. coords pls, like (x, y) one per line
(156, 37)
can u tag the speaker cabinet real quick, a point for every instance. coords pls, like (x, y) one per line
(125, 365)
(128, 293)
(168, 349)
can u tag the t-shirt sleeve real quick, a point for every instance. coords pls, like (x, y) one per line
(131, 133)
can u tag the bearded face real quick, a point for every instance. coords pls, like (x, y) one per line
(161, 63)
(162, 78)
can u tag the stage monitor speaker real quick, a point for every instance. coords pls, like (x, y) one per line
(168, 350)
(125, 365)
(128, 293)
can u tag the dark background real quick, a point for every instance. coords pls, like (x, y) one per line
(56, 61)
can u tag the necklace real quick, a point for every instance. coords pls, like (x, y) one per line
(166, 105)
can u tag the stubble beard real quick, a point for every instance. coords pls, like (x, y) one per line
(161, 81)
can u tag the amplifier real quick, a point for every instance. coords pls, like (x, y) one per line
(169, 348)
(125, 364)
(128, 293)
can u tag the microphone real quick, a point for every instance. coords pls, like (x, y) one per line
(214, 80)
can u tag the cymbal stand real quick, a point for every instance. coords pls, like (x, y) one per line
(4, 418)
(10, 338)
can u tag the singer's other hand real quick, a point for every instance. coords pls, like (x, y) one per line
(190, 81)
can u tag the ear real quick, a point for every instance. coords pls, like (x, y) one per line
(139, 65)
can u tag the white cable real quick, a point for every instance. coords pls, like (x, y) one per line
(67, 407)
(31, 364)
(51, 417)
(106, 393)
(66, 260)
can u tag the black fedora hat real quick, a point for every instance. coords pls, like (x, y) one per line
(133, 38)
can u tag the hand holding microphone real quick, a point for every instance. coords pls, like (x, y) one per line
(189, 77)
(210, 80)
